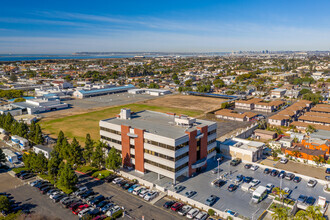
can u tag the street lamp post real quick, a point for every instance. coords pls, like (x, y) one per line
(218, 167)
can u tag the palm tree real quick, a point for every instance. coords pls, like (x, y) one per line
(319, 160)
(280, 213)
(301, 215)
(314, 212)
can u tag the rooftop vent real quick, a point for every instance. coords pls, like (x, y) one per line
(125, 113)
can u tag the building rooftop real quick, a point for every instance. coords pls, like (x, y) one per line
(112, 89)
(158, 123)
(244, 144)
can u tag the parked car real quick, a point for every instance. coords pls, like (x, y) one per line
(235, 161)
(150, 195)
(80, 208)
(87, 194)
(231, 212)
(117, 180)
(296, 179)
(58, 197)
(81, 190)
(281, 174)
(75, 205)
(254, 182)
(97, 199)
(21, 173)
(284, 160)
(35, 182)
(94, 212)
(310, 201)
(327, 171)
(55, 193)
(254, 167)
(130, 190)
(220, 183)
(247, 179)
(302, 198)
(217, 170)
(247, 166)
(287, 192)
(184, 210)
(46, 189)
(267, 171)
(201, 216)
(84, 212)
(168, 204)
(179, 188)
(190, 193)
(269, 187)
(127, 185)
(137, 190)
(239, 178)
(26, 176)
(110, 178)
(274, 172)
(289, 176)
(176, 206)
(192, 213)
(90, 198)
(312, 183)
(211, 200)
(52, 191)
(122, 183)
(327, 178)
(101, 204)
(232, 187)
(107, 207)
(113, 210)
(143, 192)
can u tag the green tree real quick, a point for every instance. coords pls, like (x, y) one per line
(67, 177)
(319, 160)
(211, 212)
(301, 215)
(280, 213)
(4, 204)
(314, 212)
(310, 129)
(38, 137)
(113, 160)
(75, 153)
(89, 148)
(40, 163)
(188, 82)
(20, 100)
(98, 155)
(2, 157)
(54, 164)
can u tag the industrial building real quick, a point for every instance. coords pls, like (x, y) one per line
(167, 144)
(35, 106)
(83, 93)
(152, 92)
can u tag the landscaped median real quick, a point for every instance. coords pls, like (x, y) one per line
(94, 172)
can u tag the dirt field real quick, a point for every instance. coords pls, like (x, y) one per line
(187, 102)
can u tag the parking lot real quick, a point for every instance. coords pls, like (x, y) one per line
(239, 200)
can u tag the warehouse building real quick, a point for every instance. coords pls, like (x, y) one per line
(83, 93)
(36, 106)
(167, 144)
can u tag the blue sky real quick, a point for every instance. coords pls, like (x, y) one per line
(43, 26)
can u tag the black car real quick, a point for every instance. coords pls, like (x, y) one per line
(310, 201)
(281, 174)
(27, 176)
(168, 204)
(43, 185)
(86, 194)
(109, 179)
(122, 183)
(247, 166)
(296, 179)
(94, 212)
(274, 172)
(232, 187)
(46, 189)
(247, 179)
(220, 183)
(101, 204)
(127, 185)
(267, 171)
(289, 176)
(20, 173)
(58, 197)
(96, 200)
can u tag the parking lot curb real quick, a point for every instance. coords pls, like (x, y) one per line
(87, 175)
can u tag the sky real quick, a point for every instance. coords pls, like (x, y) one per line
(44, 26)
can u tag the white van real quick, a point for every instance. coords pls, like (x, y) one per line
(137, 190)
(259, 194)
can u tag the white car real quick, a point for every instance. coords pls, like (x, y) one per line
(287, 192)
(84, 212)
(184, 210)
(192, 213)
(35, 182)
(143, 193)
(284, 160)
(113, 210)
(311, 183)
(201, 216)
(51, 196)
(269, 187)
(254, 182)
(254, 167)
(150, 195)
(138, 190)
(117, 180)
(81, 190)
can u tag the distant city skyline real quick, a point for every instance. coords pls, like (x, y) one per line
(168, 26)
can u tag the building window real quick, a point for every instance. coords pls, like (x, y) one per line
(159, 144)
(166, 167)
(158, 155)
(110, 139)
(210, 151)
(211, 132)
(211, 141)
(182, 156)
(110, 130)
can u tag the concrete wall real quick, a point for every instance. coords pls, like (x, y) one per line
(247, 132)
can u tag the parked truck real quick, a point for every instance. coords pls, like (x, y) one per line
(259, 194)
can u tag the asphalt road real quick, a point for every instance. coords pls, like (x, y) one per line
(135, 206)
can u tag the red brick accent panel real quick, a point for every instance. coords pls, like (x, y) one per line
(125, 149)
(203, 149)
(139, 150)
(192, 150)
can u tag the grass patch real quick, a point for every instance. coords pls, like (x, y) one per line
(64, 189)
(101, 174)
(11, 216)
(79, 125)
(286, 201)
(87, 169)
(19, 169)
(274, 205)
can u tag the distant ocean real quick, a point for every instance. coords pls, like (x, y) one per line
(27, 57)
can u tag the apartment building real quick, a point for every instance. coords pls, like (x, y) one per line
(279, 120)
(321, 108)
(247, 104)
(234, 116)
(278, 93)
(268, 106)
(167, 144)
(300, 152)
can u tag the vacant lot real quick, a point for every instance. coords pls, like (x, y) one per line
(81, 124)
(187, 102)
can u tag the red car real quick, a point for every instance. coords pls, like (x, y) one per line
(80, 208)
(176, 206)
(75, 205)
